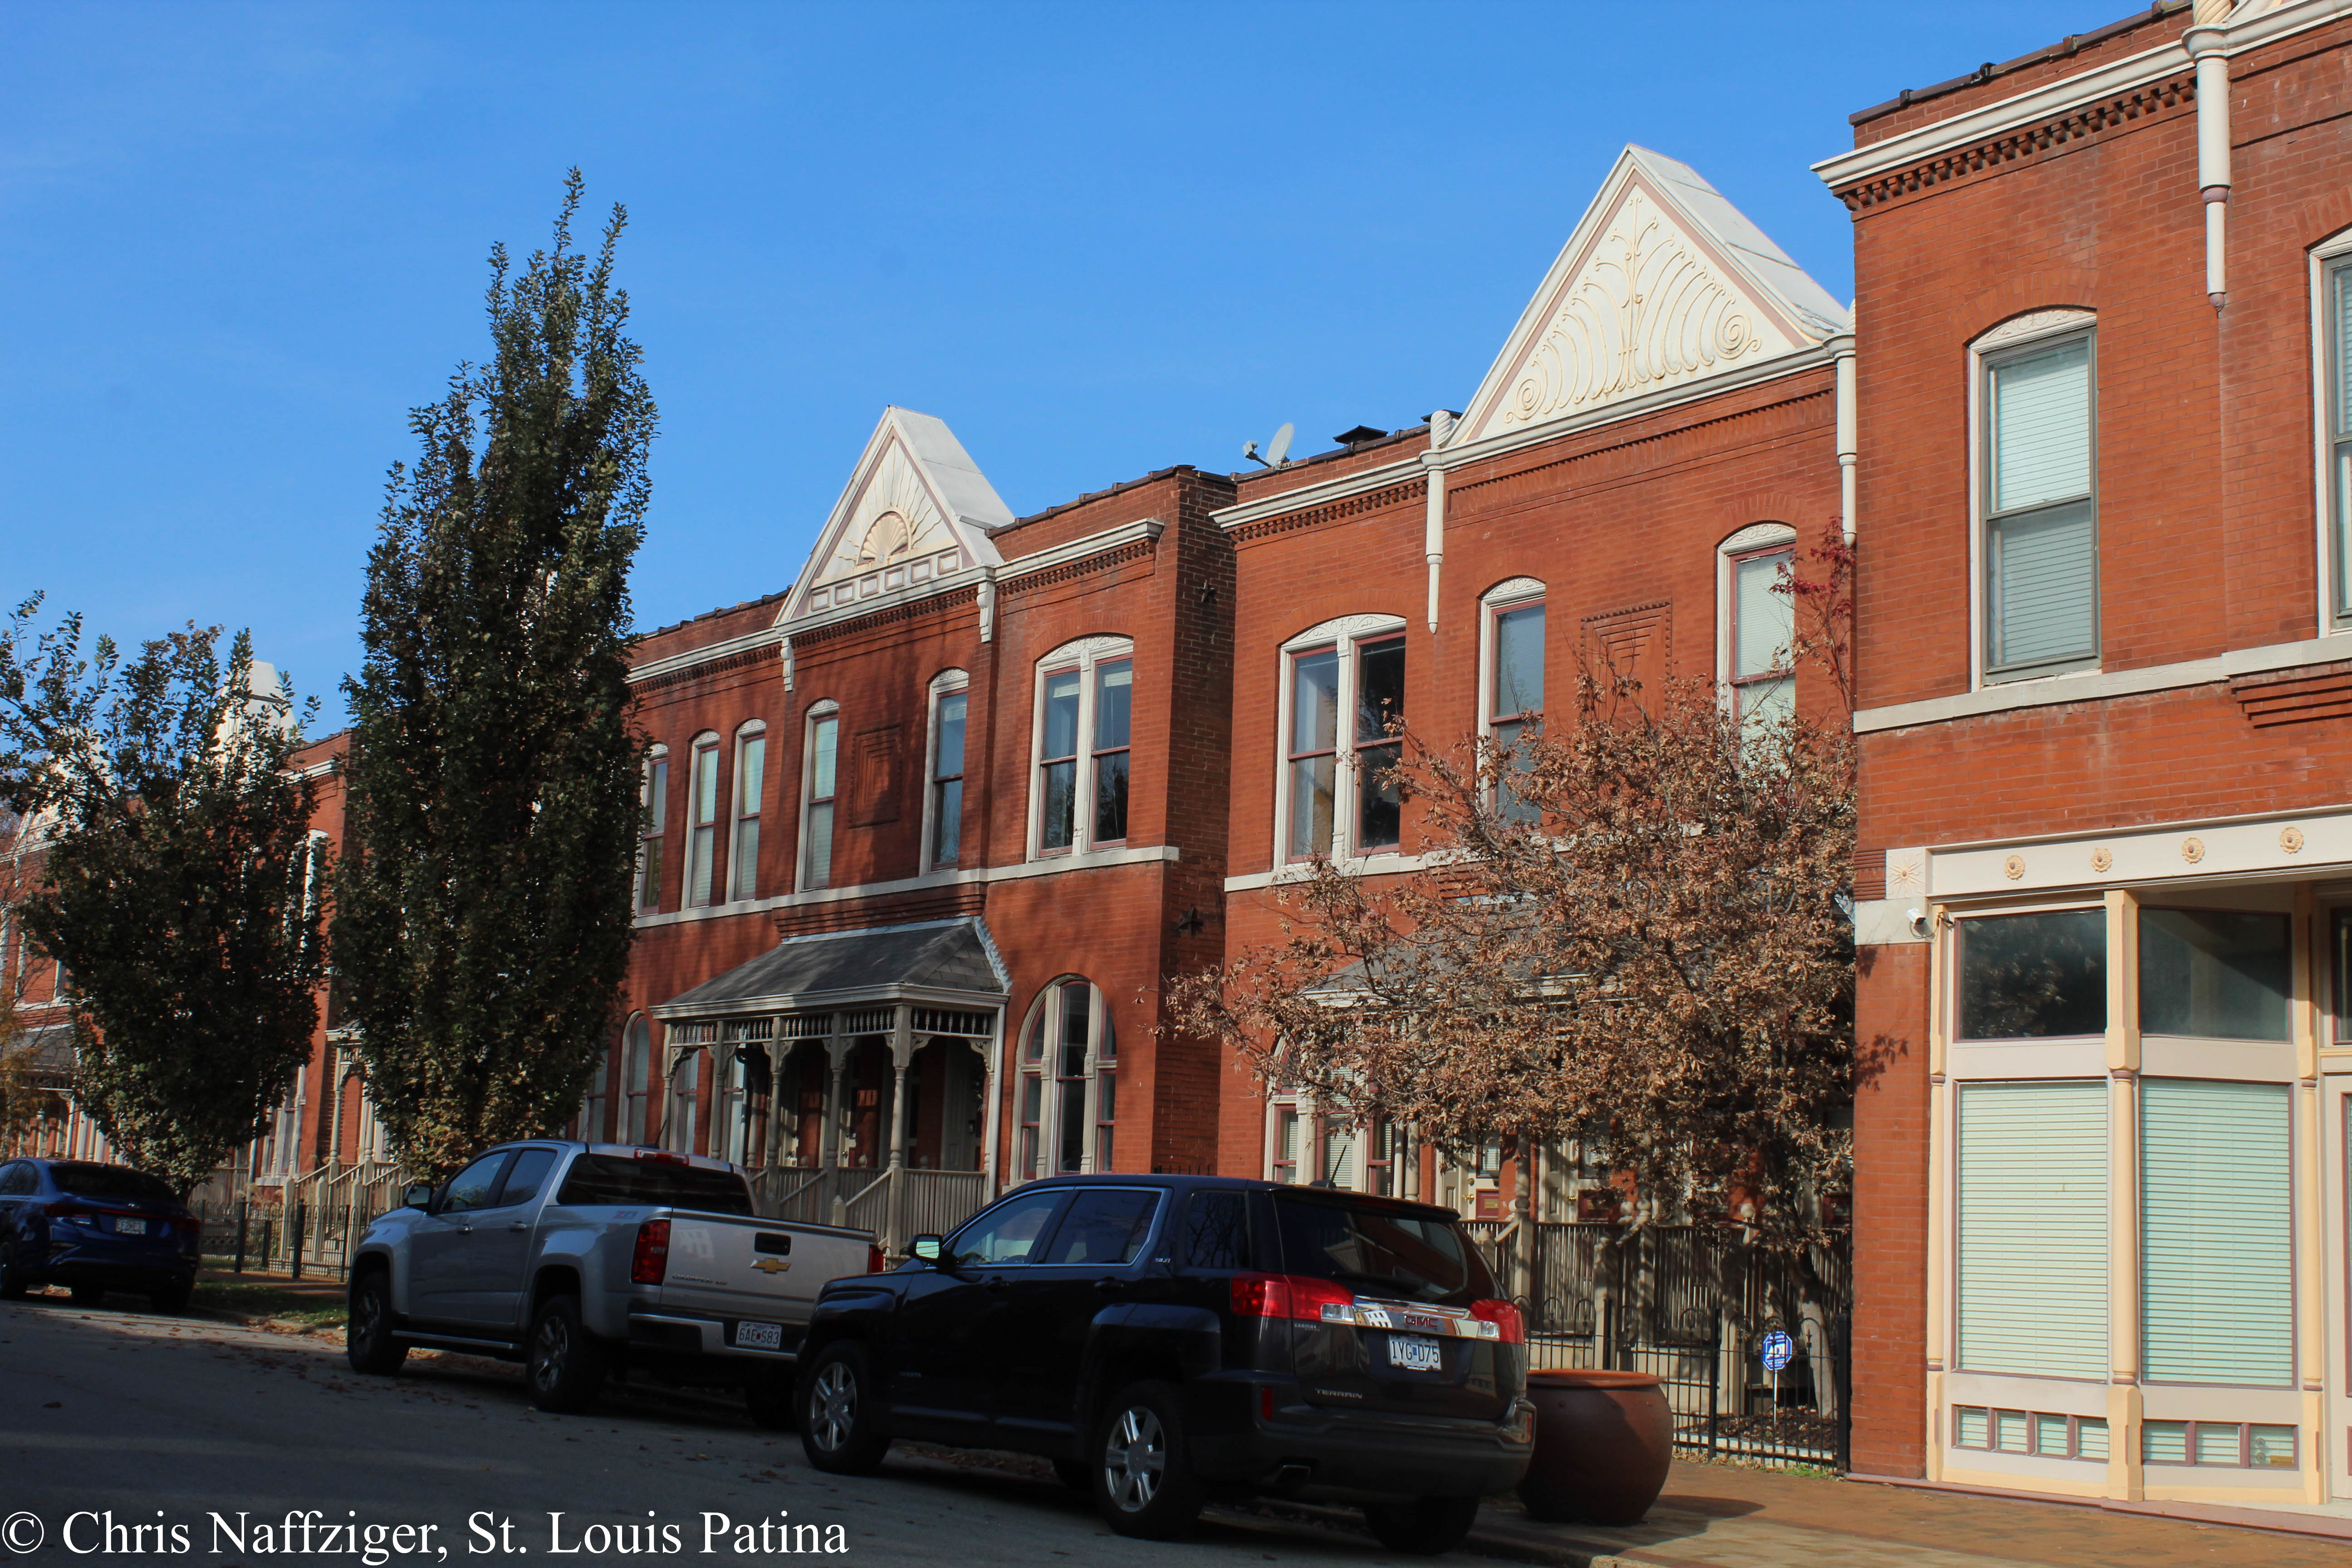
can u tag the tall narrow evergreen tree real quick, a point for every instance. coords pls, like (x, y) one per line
(483, 920)
(173, 877)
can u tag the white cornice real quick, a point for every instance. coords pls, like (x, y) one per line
(2063, 97)
(1018, 566)
(1306, 496)
(1098, 859)
(654, 668)
(2096, 686)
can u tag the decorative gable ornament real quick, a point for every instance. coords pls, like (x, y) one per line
(916, 510)
(1664, 283)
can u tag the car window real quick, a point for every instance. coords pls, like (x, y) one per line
(625, 1180)
(1105, 1224)
(1007, 1233)
(19, 1179)
(471, 1187)
(1216, 1231)
(1381, 1249)
(526, 1176)
(86, 1180)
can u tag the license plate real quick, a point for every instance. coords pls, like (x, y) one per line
(760, 1336)
(1414, 1353)
(125, 1225)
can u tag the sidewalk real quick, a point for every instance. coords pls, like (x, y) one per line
(1722, 1516)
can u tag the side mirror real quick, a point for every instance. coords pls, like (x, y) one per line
(926, 1248)
(416, 1195)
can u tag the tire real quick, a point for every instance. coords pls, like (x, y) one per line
(12, 1284)
(771, 1401)
(1141, 1477)
(173, 1299)
(836, 1403)
(88, 1295)
(564, 1365)
(367, 1335)
(1425, 1526)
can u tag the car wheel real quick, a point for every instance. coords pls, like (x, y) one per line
(12, 1284)
(88, 1295)
(771, 1401)
(837, 1413)
(1074, 1475)
(1143, 1481)
(367, 1335)
(565, 1366)
(1425, 1526)
(173, 1299)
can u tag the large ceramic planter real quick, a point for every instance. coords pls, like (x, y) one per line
(1604, 1441)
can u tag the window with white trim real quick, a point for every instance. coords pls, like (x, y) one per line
(820, 767)
(1084, 730)
(1511, 678)
(1068, 1098)
(2333, 299)
(636, 1075)
(1342, 689)
(702, 824)
(2039, 543)
(590, 1127)
(944, 799)
(654, 795)
(1762, 632)
(751, 784)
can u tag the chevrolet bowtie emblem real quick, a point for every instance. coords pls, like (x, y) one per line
(772, 1265)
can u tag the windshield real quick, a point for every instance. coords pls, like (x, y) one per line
(1379, 1250)
(614, 1182)
(109, 1181)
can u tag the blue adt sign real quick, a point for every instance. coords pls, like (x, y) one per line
(1780, 1350)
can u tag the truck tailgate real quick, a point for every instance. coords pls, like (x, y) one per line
(764, 1271)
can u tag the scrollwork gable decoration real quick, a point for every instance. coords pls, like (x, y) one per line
(917, 513)
(1662, 284)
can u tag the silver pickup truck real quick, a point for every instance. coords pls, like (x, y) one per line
(583, 1261)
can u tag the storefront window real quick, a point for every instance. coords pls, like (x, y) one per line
(2215, 974)
(2033, 976)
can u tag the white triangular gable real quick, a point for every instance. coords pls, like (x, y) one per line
(917, 509)
(1663, 283)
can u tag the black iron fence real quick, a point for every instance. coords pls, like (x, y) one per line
(1751, 1349)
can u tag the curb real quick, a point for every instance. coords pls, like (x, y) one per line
(1484, 1541)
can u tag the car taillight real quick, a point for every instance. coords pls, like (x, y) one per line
(663, 1157)
(876, 1262)
(1294, 1296)
(650, 1265)
(1509, 1327)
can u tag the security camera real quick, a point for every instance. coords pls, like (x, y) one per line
(1918, 919)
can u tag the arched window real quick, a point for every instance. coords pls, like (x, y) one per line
(750, 784)
(2035, 402)
(1067, 1110)
(1510, 674)
(1756, 622)
(655, 794)
(821, 754)
(944, 799)
(1085, 710)
(593, 1100)
(636, 1079)
(685, 1101)
(1342, 686)
(2331, 298)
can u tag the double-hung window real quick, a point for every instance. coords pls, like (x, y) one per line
(951, 700)
(1342, 696)
(1069, 1083)
(1085, 730)
(817, 799)
(702, 850)
(750, 780)
(1514, 684)
(2337, 339)
(1763, 629)
(2040, 544)
(649, 854)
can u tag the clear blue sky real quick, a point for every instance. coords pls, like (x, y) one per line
(237, 243)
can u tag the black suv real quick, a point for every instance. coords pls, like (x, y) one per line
(1165, 1338)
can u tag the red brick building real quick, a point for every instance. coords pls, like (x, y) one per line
(2107, 808)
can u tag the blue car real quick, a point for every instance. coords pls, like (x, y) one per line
(94, 1228)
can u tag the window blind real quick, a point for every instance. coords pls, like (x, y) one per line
(2216, 1275)
(2041, 426)
(2340, 331)
(1765, 621)
(2034, 1227)
(2044, 571)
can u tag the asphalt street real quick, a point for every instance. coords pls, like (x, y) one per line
(196, 1440)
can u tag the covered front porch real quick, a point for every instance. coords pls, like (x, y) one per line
(851, 1073)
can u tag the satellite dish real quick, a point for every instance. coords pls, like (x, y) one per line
(1277, 452)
